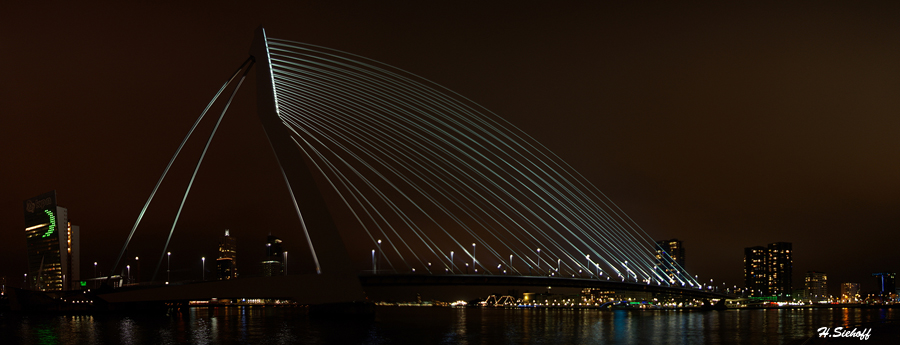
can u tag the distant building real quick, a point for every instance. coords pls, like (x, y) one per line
(52, 245)
(768, 270)
(226, 264)
(670, 257)
(781, 268)
(816, 286)
(272, 264)
(756, 279)
(885, 283)
(850, 292)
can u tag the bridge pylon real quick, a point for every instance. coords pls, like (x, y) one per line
(328, 250)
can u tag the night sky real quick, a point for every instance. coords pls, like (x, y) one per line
(723, 126)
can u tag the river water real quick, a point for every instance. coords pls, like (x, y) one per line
(434, 325)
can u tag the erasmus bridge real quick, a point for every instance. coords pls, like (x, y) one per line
(446, 192)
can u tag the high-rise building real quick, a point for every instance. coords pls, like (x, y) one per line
(670, 256)
(52, 245)
(768, 270)
(226, 264)
(780, 264)
(272, 264)
(850, 292)
(816, 286)
(885, 283)
(756, 279)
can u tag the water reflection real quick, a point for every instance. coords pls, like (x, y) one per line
(243, 325)
(126, 331)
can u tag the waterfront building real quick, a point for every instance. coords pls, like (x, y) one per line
(850, 292)
(755, 273)
(780, 266)
(52, 245)
(272, 264)
(886, 282)
(885, 286)
(816, 286)
(670, 256)
(768, 270)
(226, 263)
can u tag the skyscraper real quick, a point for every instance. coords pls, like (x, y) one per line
(756, 279)
(226, 264)
(272, 264)
(768, 270)
(816, 286)
(885, 283)
(780, 264)
(670, 256)
(52, 245)
(850, 292)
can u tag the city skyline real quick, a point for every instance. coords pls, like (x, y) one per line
(679, 127)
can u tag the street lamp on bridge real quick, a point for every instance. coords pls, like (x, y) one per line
(137, 269)
(451, 262)
(473, 256)
(168, 267)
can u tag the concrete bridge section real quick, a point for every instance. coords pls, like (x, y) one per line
(304, 289)
(323, 289)
(405, 287)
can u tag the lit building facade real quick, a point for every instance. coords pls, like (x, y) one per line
(226, 263)
(670, 257)
(781, 268)
(816, 286)
(850, 292)
(52, 245)
(768, 270)
(272, 264)
(885, 283)
(756, 279)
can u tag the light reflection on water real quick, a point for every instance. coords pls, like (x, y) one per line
(251, 325)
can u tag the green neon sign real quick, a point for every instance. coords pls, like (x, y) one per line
(52, 227)
(83, 283)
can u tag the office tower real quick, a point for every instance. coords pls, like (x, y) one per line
(768, 270)
(52, 245)
(756, 279)
(272, 264)
(780, 265)
(850, 292)
(226, 263)
(670, 257)
(816, 286)
(885, 283)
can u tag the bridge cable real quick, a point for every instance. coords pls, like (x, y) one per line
(197, 168)
(172, 160)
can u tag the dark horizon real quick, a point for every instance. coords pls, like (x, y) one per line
(723, 126)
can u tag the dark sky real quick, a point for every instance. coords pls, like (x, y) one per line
(724, 126)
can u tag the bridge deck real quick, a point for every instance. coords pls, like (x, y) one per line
(322, 289)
